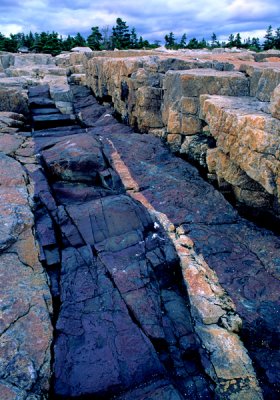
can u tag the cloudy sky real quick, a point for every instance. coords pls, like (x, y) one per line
(151, 18)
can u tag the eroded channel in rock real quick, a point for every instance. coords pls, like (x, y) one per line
(124, 318)
(126, 326)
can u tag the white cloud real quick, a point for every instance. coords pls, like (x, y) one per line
(151, 18)
(11, 28)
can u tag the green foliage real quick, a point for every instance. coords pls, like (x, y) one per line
(133, 39)
(183, 41)
(269, 39)
(94, 39)
(79, 40)
(277, 39)
(121, 37)
(170, 41)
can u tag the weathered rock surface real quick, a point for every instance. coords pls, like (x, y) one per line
(247, 148)
(161, 95)
(275, 103)
(141, 253)
(25, 308)
(111, 244)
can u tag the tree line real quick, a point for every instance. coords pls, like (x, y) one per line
(122, 37)
(272, 41)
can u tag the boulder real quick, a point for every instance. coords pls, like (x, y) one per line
(82, 49)
(75, 159)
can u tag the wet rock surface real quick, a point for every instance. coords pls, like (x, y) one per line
(125, 325)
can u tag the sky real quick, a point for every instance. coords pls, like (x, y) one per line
(152, 19)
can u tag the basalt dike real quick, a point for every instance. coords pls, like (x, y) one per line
(160, 290)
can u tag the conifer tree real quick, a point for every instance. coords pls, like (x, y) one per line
(213, 40)
(277, 39)
(238, 42)
(133, 39)
(183, 41)
(269, 39)
(80, 41)
(94, 39)
(120, 35)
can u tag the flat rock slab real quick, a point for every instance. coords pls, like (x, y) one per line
(44, 111)
(78, 158)
(93, 359)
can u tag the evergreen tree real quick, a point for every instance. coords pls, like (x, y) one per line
(141, 43)
(29, 40)
(94, 39)
(170, 40)
(213, 40)
(269, 39)
(238, 42)
(52, 44)
(2, 42)
(11, 43)
(193, 44)
(203, 43)
(68, 43)
(133, 39)
(277, 39)
(120, 35)
(183, 41)
(79, 40)
(255, 44)
(231, 41)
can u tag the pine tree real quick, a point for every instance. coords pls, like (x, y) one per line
(120, 35)
(141, 43)
(11, 44)
(193, 44)
(203, 44)
(53, 44)
(269, 39)
(238, 42)
(68, 43)
(231, 41)
(183, 41)
(133, 39)
(277, 39)
(79, 40)
(255, 44)
(94, 39)
(169, 40)
(2, 42)
(213, 40)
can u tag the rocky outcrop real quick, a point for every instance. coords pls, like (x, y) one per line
(246, 153)
(20, 71)
(157, 283)
(163, 96)
(129, 229)
(26, 306)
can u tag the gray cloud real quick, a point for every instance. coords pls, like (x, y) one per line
(152, 19)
